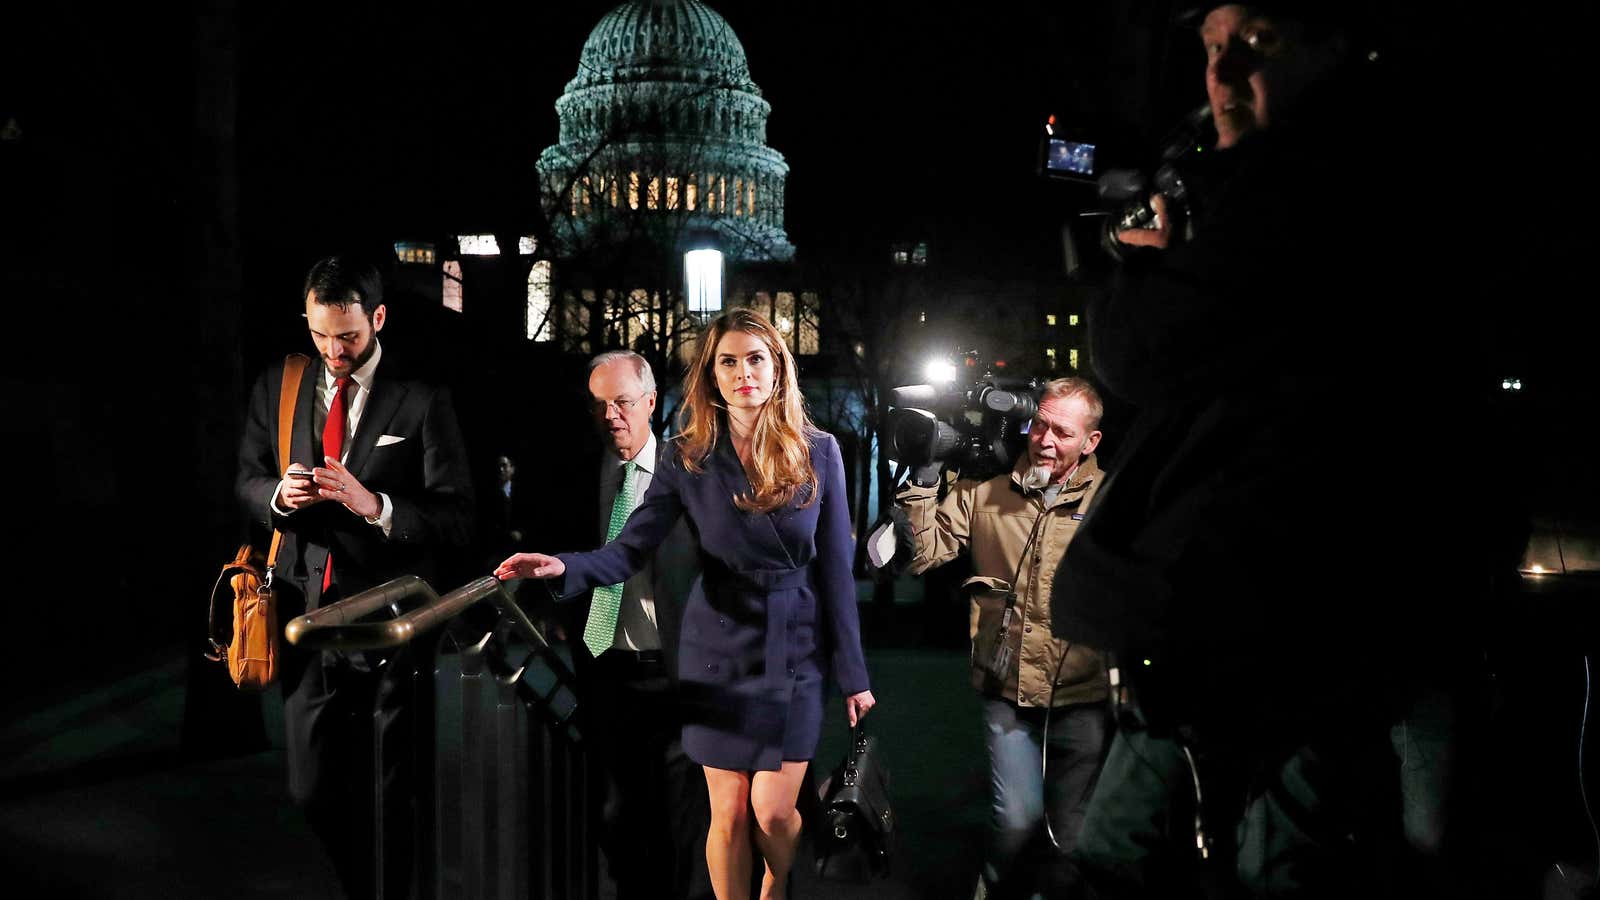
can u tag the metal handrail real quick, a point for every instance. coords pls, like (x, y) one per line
(492, 683)
(338, 626)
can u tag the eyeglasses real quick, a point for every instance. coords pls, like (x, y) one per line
(623, 405)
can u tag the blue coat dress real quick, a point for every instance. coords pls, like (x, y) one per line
(774, 606)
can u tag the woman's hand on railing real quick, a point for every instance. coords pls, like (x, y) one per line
(530, 565)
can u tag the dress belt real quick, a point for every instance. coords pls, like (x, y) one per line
(760, 580)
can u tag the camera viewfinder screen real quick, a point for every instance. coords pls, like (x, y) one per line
(1070, 156)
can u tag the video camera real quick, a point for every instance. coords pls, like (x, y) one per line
(1123, 192)
(974, 427)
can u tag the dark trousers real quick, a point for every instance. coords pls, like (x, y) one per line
(1036, 773)
(330, 726)
(655, 810)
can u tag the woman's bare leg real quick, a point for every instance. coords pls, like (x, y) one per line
(772, 797)
(728, 840)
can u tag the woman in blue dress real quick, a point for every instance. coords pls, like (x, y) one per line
(775, 607)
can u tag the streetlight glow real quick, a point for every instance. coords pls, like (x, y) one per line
(702, 275)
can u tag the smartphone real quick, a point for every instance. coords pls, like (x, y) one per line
(295, 473)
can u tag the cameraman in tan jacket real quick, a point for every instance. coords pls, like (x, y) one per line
(1038, 691)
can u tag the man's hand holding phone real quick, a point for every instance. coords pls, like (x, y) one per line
(297, 490)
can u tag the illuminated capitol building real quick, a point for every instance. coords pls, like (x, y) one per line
(661, 158)
(660, 200)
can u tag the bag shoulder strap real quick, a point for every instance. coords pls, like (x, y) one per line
(294, 369)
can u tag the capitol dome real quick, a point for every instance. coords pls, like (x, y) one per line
(663, 127)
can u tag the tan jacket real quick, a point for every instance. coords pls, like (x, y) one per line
(993, 520)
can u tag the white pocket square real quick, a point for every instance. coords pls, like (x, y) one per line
(387, 439)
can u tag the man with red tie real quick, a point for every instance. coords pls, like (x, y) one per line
(377, 486)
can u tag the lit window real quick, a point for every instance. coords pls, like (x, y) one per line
(738, 196)
(691, 194)
(478, 245)
(1050, 358)
(540, 328)
(783, 315)
(750, 199)
(638, 306)
(672, 192)
(722, 193)
(809, 342)
(414, 252)
(901, 255)
(1073, 320)
(452, 284)
(1050, 319)
(654, 193)
(526, 245)
(615, 198)
(1072, 357)
(922, 316)
(919, 255)
(633, 190)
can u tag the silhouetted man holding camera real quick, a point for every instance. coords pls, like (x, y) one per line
(1252, 565)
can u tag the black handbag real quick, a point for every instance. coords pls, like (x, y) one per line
(856, 827)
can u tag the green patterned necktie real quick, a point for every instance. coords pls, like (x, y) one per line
(604, 603)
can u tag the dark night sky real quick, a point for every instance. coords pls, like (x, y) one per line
(899, 112)
(362, 121)
(883, 110)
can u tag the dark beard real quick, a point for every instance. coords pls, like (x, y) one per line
(364, 358)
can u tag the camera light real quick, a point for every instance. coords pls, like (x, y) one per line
(939, 372)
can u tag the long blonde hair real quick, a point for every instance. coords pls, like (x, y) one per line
(780, 453)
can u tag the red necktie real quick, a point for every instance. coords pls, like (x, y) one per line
(333, 445)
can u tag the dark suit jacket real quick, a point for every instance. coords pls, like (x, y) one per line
(425, 473)
(673, 568)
